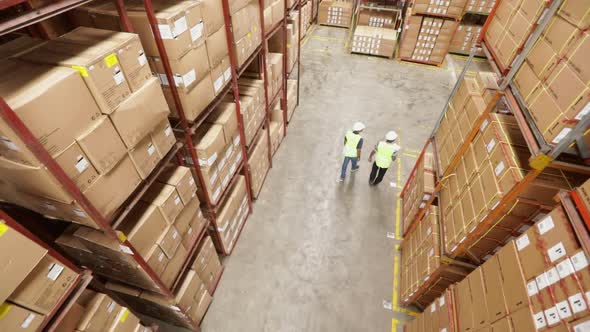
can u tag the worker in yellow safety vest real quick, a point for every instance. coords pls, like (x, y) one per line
(353, 143)
(385, 152)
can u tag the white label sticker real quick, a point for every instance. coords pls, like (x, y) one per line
(218, 84)
(552, 316)
(563, 133)
(583, 112)
(556, 252)
(111, 306)
(545, 225)
(168, 131)
(484, 124)
(552, 276)
(161, 257)
(563, 309)
(142, 59)
(8, 143)
(531, 288)
(433, 308)
(54, 271)
(79, 213)
(565, 268)
(126, 249)
(164, 79)
(499, 168)
(197, 31)
(165, 31)
(522, 242)
(216, 194)
(541, 281)
(81, 164)
(174, 235)
(491, 145)
(577, 303)
(151, 149)
(189, 78)
(582, 327)
(539, 318)
(579, 261)
(227, 74)
(25, 324)
(441, 301)
(119, 78)
(180, 26)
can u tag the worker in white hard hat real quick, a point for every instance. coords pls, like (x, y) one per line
(353, 144)
(385, 152)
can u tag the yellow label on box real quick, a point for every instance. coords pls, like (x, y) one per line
(3, 228)
(82, 70)
(111, 60)
(4, 309)
(249, 35)
(124, 315)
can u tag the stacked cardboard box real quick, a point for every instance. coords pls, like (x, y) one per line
(217, 145)
(259, 163)
(95, 311)
(274, 12)
(437, 317)
(33, 282)
(510, 27)
(465, 38)
(291, 98)
(374, 41)
(275, 73)
(112, 128)
(554, 79)
(420, 188)
(452, 8)
(252, 106)
(277, 129)
(336, 13)
(246, 29)
(426, 39)
(584, 193)
(232, 213)
(376, 18)
(479, 6)
(306, 18)
(422, 263)
(292, 43)
(536, 282)
(496, 162)
(193, 294)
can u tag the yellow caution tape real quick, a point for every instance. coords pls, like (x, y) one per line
(540, 162)
(82, 70)
(111, 60)
(4, 309)
(3, 228)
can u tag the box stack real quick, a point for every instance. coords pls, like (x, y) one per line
(452, 8)
(95, 311)
(291, 98)
(510, 27)
(374, 41)
(252, 106)
(277, 129)
(306, 18)
(33, 282)
(232, 213)
(275, 74)
(192, 294)
(422, 263)
(376, 18)
(111, 131)
(554, 79)
(419, 190)
(292, 43)
(536, 282)
(274, 12)
(465, 38)
(259, 162)
(479, 6)
(437, 317)
(584, 193)
(217, 145)
(337, 13)
(426, 39)
(246, 29)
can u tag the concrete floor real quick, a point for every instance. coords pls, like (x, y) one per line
(315, 255)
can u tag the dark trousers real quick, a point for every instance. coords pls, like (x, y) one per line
(377, 174)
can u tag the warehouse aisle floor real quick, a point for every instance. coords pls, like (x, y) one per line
(315, 255)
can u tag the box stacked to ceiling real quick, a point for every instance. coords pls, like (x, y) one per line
(337, 13)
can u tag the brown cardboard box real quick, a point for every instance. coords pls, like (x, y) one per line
(542, 58)
(560, 34)
(182, 179)
(526, 80)
(102, 145)
(28, 89)
(193, 101)
(533, 260)
(202, 302)
(16, 318)
(76, 165)
(217, 46)
(22, 44)
(513, 283)
(128, 50)
(163, 138)
(209, 142)
(210, 272)
(522, 320)
(479, 292)
(143, 226)
(584, 193)
(495, 298)
(16, 265)
(185, 295)
(140, 113)
(556, 235)
(170, 241)
(225, 115)
(188, 70)
(124, 322)
(166, 198)
(97, 65)
(205, 252)
(144, 156)
(221, 75)
(174, 266)
(183, 221)
(71, 318)
(566, 88)
(577, 57)
(124, 177)
(464, 306)
(157, 259)
(196, 227)
(45, 285)
(212, 15)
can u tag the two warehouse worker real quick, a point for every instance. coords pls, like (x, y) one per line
(384, 153)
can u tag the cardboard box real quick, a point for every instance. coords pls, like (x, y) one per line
(124, 322)
(44, 287)
(495, 297)
(199, 307)
(185, 295)
(182, 179)
(144, 157)
(188, 70)
(577, 56)
(140, 113)
(217, 46)
(99, 311)
(163, 138)
(16, 318)
(143, 226)
(221, 75)
(213, 16)
(513, 282)
(102, 145)
(174, 265)
(209, 142)
(166, 198)
(21, 44)
(193, 101)
(225, 115)
(28, 89)
(157, 259)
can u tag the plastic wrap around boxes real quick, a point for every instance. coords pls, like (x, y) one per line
(33, 282)
(420, 188)
(336, 13)
(554, 79)
(162, 227)
(111, 130)
(537, 282)
(193, 293)
(426, 39)
(422, 263)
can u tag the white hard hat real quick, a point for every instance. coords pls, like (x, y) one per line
(358, 126)
(391, 136)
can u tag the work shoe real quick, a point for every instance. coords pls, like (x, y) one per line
(352, 170)
(340, 180)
